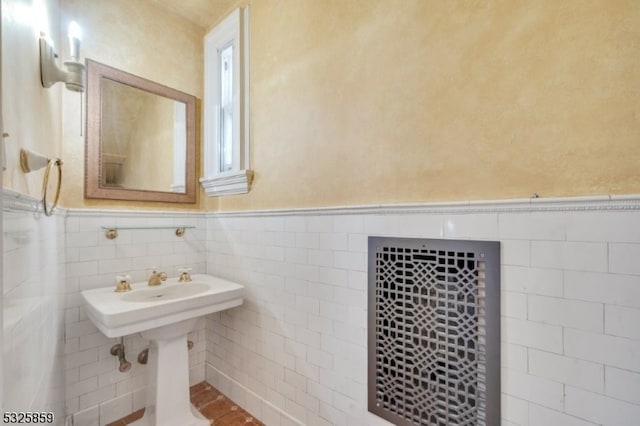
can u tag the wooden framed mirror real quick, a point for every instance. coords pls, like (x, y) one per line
(141, 138)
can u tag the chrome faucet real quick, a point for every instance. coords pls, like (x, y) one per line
(156, 278)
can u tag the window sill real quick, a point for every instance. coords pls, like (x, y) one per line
(228, 183)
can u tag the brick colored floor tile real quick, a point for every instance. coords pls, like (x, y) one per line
(133, 416)
(199, 387)
(204, 396)
(216, 407)
(232, 418)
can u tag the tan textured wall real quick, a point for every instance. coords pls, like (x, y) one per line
(378, 101)
(383, 101)
(140, 38)
(31, 113)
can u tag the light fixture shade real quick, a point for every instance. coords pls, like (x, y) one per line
(75, 35)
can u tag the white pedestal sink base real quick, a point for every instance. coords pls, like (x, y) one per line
(168, 402)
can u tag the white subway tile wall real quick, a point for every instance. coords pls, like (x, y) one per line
(33, 312)
(96, 392)
(295, 352)
(297, 347)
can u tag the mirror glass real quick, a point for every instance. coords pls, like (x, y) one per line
(140, 138)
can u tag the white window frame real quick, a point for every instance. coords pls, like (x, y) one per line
(179, 147)
(234, 29)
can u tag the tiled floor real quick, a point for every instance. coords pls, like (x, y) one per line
(216, 407)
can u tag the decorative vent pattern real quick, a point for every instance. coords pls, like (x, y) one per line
(434, 331)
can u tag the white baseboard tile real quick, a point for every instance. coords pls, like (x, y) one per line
(106, 412)
(115, 409)
(87, 417)
(196, 374)
(254, 404)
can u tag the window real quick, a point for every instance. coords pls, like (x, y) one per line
(179, 147)
(226, 107)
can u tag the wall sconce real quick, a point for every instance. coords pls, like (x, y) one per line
(51, 73)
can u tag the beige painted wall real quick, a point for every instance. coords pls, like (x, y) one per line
(140, 38)
(31, 114)
(384, 101)
(378, 101)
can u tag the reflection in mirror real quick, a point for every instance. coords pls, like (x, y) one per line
(130, 132)
(140, 138)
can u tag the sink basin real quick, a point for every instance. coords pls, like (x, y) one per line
(164, 314)
(163, 293)
(145, 307)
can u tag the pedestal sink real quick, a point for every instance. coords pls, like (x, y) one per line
(164, 314)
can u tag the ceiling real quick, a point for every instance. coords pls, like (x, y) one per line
(204, 13)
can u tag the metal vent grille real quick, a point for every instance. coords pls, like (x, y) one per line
(434, 331)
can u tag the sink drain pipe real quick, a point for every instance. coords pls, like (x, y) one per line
(118, 350)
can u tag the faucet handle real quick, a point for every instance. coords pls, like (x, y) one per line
(122, 283)
(184, 275)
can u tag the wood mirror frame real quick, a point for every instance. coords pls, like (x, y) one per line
(94, 188)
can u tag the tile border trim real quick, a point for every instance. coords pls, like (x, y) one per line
(569, 204)
(19, 202)
(15, 201)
